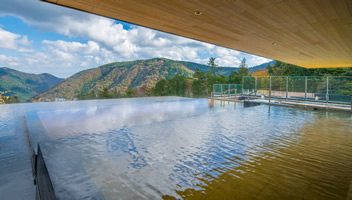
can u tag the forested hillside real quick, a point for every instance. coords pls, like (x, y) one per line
(121, 76)
(25, 85)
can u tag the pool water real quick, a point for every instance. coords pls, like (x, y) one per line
(197, 149)
(16, 180)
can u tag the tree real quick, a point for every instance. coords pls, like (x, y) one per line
(8, 99)
(270, 69)
(175, 85)
(199, 85)
(130, 92)
(243, 68)
(234, 78)
(15, 100)
(92, 95)
(198, 88)
(116, 94)
(199, 75)
(104, 94)
(2, 98)
(141, 91)
(213, 66)
(159, 89)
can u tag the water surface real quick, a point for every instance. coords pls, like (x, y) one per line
(16, 180)
(191, 149)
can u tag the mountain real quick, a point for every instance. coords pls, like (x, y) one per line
(260, 67)
(123, 75)
(25, 85)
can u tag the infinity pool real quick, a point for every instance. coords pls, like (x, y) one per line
(197, 149)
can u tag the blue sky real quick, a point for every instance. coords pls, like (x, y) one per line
(38, 37)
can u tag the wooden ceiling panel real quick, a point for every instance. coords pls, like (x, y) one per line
(308, 33)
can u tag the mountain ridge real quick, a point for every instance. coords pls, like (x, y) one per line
(123, 75)
(25, 85)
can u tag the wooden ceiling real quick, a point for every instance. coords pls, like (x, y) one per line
(308, 33)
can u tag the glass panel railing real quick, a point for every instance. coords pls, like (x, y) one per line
(308, 88)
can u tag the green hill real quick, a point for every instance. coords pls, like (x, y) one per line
(261, 66)
(123, 75)
(25, 85)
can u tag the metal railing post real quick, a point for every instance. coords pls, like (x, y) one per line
(221, 90)
(242, 84)
(255, 87)
(327, 89)
(270, 90)
(286, 87)
(228, 90)
(305, 88)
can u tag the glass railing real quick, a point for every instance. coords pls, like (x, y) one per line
(307, 88)
(227, 89)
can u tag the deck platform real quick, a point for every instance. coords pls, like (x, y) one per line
(290, 103)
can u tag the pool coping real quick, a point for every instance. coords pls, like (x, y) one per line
(37, 134)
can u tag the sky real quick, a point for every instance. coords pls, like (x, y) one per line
(37, 37)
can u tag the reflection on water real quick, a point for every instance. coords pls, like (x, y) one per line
(199, 150)
(15, 165)
(102, 118)
(317, 165)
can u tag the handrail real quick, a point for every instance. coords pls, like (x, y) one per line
(254, 91)
(226, 92)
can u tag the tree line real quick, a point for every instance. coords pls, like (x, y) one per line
(284, 69)
(337, 86)
(8, 99)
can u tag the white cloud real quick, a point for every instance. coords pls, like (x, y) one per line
(9, 60)
(101, 40)
(256, 60)
(13, 41)
(73, 47)
(8, 40)
(228, 61)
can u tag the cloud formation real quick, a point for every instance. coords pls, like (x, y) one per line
(98, 40)
(14, 41)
